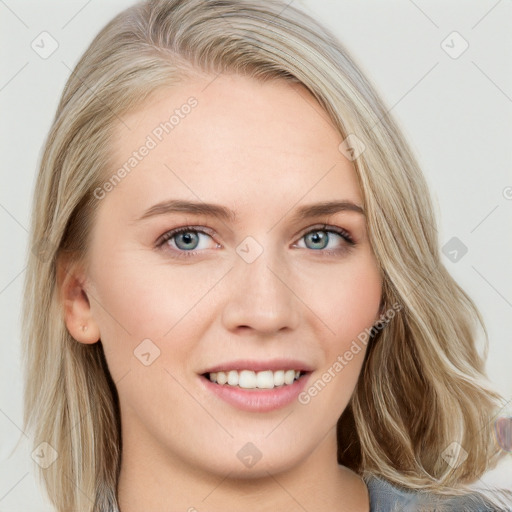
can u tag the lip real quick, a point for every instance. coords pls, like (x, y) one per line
(257, 400)
(260, 366)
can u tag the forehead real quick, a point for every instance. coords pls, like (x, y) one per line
(231, 140)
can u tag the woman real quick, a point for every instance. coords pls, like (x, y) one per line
(255, 368)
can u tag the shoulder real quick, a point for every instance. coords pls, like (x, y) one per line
(386, 497)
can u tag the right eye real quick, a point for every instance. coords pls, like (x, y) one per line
(185, 240)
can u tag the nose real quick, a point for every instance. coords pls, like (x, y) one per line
(261, 297)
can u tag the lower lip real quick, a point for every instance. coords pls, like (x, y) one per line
(257, 400)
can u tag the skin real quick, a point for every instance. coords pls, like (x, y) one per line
(263, 150)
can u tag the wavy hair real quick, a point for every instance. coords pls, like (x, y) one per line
(422, 385)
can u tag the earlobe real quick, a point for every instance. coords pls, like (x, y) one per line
(75, 303)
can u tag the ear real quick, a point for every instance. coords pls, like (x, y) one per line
(75, 303)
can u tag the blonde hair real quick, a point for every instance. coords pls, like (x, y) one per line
(422, 386)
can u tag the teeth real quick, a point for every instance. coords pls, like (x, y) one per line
(233, 378)
(265, 380)
(279, 378)
(248, 379)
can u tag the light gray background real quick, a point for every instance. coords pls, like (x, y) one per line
(455, 112)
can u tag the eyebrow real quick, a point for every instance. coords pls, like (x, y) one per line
(228, 215)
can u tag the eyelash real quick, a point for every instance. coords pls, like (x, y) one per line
(187, 229)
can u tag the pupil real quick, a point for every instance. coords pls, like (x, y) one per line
(317, 237)
(187, 238)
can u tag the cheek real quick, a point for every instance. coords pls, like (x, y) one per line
(137, 300)
(346, 298)
(128, 292)
(358, 303)
(349, 306)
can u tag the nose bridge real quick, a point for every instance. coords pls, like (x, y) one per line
(260, 296)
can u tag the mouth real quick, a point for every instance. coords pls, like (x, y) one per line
(258, 389)
(255, 380)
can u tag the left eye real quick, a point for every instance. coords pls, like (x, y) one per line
(186, 239)
(321, 237)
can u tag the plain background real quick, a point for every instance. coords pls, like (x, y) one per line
(455, 111)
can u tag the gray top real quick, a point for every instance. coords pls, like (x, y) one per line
(386, 497)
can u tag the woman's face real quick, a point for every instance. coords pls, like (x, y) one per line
(262, 289)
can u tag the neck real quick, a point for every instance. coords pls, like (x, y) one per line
(152, 480)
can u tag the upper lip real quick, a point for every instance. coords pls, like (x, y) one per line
(258, 366)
